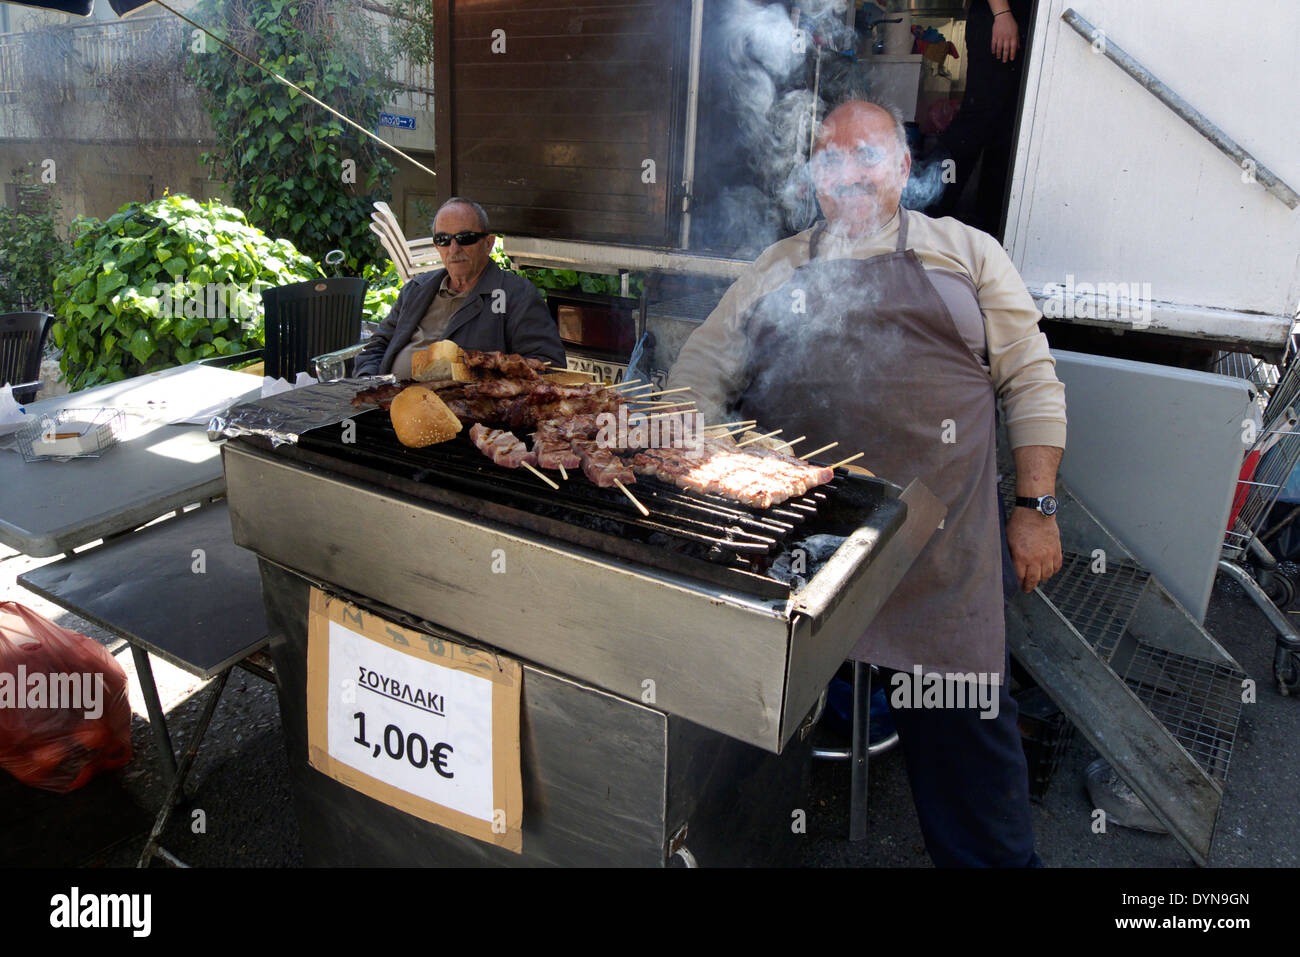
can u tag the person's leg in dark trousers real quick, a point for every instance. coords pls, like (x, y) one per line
(986, 121)
(970, 781)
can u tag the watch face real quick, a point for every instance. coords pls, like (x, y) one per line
(1048, 505)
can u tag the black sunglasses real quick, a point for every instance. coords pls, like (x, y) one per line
(467, 238)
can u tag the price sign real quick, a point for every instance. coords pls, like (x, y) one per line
(418, 722)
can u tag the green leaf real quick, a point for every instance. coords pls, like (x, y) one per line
(107, 282)
(141, 345)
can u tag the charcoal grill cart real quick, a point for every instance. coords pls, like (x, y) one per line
(669, 676)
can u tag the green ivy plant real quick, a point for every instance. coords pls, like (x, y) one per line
(382, 291)
(568, 280)
(163, 283)
(31, 249)
(299, 171)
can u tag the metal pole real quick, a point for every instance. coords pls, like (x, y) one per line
(861, 747)
(174, 792)
(692, 119)
(1152, 84)
(157, 721)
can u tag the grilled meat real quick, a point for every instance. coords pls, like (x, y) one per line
(602, 466)
(501, 447)
(506, 364)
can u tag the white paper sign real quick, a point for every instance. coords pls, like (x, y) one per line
(418, 722)
(415, 725)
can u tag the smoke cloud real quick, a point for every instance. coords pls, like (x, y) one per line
(770, 67)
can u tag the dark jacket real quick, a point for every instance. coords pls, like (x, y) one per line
(502, 313)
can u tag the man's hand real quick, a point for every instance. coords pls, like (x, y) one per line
(1033, 537)
(1035, 544)
(1006, 37)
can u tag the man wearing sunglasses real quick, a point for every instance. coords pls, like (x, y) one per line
(471, 301)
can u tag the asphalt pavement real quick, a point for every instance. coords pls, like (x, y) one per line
(240, 781)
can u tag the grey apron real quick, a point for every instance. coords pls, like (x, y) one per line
(865, 352)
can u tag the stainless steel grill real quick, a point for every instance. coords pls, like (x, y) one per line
(684, 599)
(706, 536)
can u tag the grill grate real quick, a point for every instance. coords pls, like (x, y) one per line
(1198, 701)
(707, 536)
(1099, 605)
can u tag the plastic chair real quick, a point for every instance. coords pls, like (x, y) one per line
(22, 340)
(309, 319)
(410, 257)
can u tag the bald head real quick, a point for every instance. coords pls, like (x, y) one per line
(860, 165)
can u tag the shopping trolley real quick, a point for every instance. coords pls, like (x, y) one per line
(1252, 525)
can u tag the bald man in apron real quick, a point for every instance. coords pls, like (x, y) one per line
(897, 334)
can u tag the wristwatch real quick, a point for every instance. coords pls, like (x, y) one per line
(1045, 505)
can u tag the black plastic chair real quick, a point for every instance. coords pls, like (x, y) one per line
(308, 319)
(22, 339)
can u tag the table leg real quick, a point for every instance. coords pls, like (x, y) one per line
(174, 792)
(157, 721)
(859, 752)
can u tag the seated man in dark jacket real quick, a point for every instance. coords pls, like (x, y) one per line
(472, 301)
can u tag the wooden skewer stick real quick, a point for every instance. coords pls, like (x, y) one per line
(660, 415)
(635, 382)
(727, 425)
(639, 507)
(563, 474)
(793, 442)
(684, 388)
(540, 475)
(757, 438)
(736, 431)
(851, 458)
(824, 448)
(679, 405)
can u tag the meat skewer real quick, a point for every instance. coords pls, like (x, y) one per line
(602, 466)
(501, 447)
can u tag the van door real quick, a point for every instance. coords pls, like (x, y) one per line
(1120, 213)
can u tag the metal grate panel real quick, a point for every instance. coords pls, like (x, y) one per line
(1198, 701)
(1098, 604)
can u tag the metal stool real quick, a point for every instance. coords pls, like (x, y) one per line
(860, 749)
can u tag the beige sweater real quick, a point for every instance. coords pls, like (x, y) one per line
(712, 362)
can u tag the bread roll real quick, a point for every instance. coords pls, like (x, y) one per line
(441, 360)
(420, 418)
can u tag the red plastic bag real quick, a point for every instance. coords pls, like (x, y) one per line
(64, 712)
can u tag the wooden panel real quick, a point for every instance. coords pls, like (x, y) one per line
(570, 179)
(551, 135)
(569, 19)
(504, 75)
(519, 103)
(639, 47)
(557, 199)
(564, 127)
(442, 119)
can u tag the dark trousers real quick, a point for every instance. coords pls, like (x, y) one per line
(969, 777)
(985, 124)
